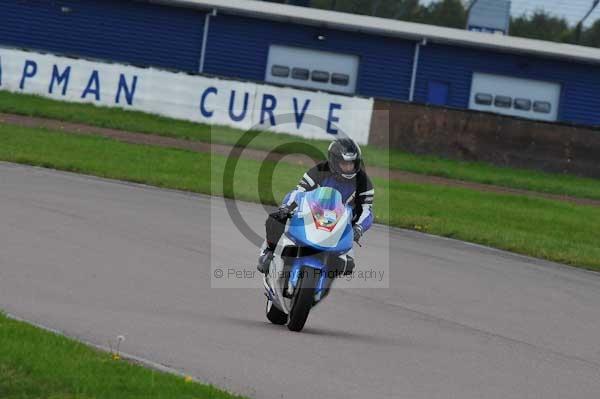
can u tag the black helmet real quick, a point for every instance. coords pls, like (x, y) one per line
(341, 153)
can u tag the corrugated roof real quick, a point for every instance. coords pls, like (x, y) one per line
(393, 28)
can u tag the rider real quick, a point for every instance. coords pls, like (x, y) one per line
(344, 171)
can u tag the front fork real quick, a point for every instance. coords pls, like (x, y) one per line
(322, 286)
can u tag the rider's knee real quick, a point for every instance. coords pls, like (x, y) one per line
(350, 264)
(345, 265)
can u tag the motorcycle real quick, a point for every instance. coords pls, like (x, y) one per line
(312, 252)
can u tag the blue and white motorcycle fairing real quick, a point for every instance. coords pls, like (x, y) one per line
(317, 239)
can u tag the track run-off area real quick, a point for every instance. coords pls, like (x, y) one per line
(96, 258)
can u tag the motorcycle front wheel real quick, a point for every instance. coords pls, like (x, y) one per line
(304, 298)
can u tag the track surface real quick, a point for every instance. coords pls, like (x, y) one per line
(97, 258)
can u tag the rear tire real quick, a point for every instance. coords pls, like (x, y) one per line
(305, 298)
(275, 315)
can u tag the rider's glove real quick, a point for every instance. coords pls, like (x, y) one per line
(358, 232)
(284, 212)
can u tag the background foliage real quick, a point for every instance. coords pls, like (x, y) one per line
(453, 13)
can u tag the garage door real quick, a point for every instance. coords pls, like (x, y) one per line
(526, 98)
(324, 70)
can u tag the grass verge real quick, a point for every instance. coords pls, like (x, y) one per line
(427, 165)
(542, 228)
(38, 364)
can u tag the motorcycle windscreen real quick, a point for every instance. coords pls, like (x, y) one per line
(322, 222)
(326, 207)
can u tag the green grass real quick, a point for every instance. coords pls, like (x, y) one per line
(38, 364)
(544, 229)
(428, 165)
(547, 229)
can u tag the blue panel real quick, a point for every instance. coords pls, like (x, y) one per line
(580, 97)
(239, 47)
(437, 93)
(127, 31)
(141, 33)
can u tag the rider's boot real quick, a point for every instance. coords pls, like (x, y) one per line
(350, 264)
(265, 258)
(345, 265)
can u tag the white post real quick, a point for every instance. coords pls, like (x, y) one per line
(205, 39)
(413, 81)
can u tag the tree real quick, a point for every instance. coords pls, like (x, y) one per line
(542, 26)
(409, 10)
(450, 13)
(396, 9)
(453, 13)
(591, 36)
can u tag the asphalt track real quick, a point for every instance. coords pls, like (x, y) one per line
(97, 259)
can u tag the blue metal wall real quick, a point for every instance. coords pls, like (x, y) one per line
(239, 46)
(125, 31)
(580, 97)
(140, 33)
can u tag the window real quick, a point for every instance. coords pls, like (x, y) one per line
(522, 104)
(340, 79)
(483, 99)
(320, 76)
(542, 107)
(280, 71)
(503, 101)
(300, 73)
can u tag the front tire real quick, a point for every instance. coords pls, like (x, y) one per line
(275, 315)
(305, 298)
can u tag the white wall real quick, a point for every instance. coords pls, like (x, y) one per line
(182, 96)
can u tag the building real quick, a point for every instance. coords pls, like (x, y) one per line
(322, 50)
(490, 16)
